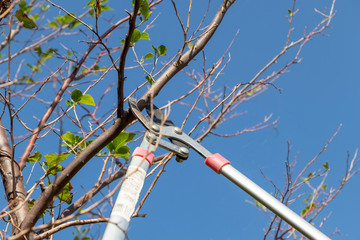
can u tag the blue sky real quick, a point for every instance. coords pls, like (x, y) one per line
(317, 96)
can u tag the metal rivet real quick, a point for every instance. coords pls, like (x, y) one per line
(184, 150)
(155, 128)
(151, 138)
(177, 130)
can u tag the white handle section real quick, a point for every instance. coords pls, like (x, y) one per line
(272, 203)
(126, 201)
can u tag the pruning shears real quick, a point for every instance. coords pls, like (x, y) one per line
(158, 128)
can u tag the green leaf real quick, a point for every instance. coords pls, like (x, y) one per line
(326, 166)
(66, 194)
(290, 13)
(162, 50)
(54, 159)
(34, 17)
(324, 186)
(144, 9)
(48, 54)
(122, 41)
(68, 103)
(53, 24)
(69, 138)
(87, 99)
(90, 4)
(135, 36)
(44, 7)
(105, 8)
(22, 5)
(190, 45)
(74, 24)
(149, 79)
(36, 157)
(52, 162)
(65, 19)
(305, 179)
(38, 51)
(119, 141)
(123, 150)
(76, 95)
(34, 68)
(123, 138)
(148, 56)
(22, 17)
(144, 35)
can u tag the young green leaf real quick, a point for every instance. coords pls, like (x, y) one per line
(22, 5)
(69, 138)
(53, 24)
(105, 8)
(119, 142)
(123, 151)
(162, 50)
(52, 162)
(76, 95)
(87, 99)
(135, 36)
(144, 10)
(36, 157)
(326, 166)
(148, 56)
(66, 194)
(145, 36)
(22, 17)
(149, 80)
(290, 12)
(44, 7)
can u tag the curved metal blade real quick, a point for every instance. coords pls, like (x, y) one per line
(158, 117)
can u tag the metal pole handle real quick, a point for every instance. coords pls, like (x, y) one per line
(222, 166)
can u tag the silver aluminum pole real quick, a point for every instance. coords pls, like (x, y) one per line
(272, 203)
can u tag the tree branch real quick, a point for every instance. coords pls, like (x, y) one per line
(18, 207)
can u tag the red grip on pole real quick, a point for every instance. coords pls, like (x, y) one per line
(142, 152)
(216, 162)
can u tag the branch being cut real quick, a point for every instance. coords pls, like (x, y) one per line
(121, 73)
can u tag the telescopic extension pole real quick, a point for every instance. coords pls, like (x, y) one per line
(222, 166)
(179, 144)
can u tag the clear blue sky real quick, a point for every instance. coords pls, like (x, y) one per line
(191, 202)
(322, 92)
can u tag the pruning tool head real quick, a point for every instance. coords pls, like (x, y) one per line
(160, 126)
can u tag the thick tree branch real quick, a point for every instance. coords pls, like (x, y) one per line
(18, 207)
